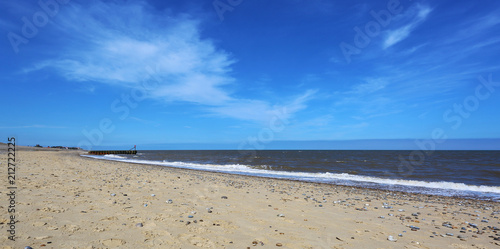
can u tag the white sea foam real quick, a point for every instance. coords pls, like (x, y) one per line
(111, 156)
(443, 188)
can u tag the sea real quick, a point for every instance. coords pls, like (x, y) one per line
(467, 174)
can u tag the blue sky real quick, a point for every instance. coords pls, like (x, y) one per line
(251, 74)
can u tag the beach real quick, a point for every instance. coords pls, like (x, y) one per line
(64, 200)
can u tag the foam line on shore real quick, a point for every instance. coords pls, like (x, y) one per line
(414, 186)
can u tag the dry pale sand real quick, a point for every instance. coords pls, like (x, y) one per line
(64, 200)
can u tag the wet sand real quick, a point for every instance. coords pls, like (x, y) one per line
(64, 200)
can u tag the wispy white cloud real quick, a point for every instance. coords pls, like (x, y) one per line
(115, 44)
(475, 29)
(262, 111)
(412, 50)
(398, 89)
(371, 85)
(418, 14)
(486, 43)
(367, 97)
(376, 97)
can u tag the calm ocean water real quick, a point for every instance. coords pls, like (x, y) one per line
(472, 174)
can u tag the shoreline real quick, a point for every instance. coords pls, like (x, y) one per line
(402, 192)
(59, 190)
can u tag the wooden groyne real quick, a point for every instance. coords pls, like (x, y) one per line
(105, 152)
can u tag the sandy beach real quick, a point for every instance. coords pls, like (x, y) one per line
(64, 200)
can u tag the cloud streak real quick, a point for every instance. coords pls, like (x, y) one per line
(118, 49)
(417, 16)
(261, 111)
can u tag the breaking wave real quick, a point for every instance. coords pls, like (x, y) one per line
(413, 186)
